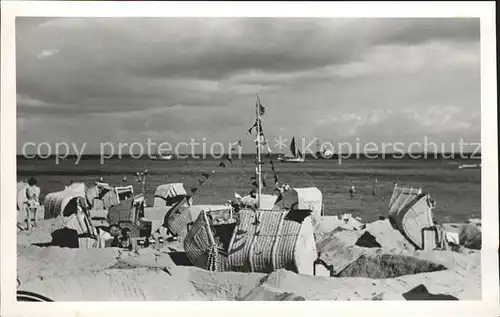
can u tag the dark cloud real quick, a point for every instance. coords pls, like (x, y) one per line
(256, 45)
(71, 67)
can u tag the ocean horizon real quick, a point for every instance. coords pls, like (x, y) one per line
(379, 155)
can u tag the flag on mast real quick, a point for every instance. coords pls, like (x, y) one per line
(262, 109)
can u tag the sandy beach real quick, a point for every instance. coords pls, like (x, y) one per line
(385, 272)
(250, 159)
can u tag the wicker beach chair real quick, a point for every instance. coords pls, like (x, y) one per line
(180, 217)
(117, 195)
(169, 194)
(410, 212)
(253, 241)
(62, 203)
(123, 211)
(309, 198)
(73, 220)
(95, 195)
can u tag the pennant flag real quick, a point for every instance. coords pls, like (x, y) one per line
(268, 148)
(254, 183)
(206, 175)
(222, 164)
(194, 190)
(234, 146)
(262, 109)
(280, 198)
(201, 182)
(257, 122)
(254, 126)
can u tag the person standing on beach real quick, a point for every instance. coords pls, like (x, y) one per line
(374, 191)
(352, 191)
(32, 204)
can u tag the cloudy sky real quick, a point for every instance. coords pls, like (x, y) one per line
(170, 79)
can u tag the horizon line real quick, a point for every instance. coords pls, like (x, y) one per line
(251, 153)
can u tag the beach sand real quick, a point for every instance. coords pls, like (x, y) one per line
(384, 270)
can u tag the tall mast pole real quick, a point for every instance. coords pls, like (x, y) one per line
(259, 178)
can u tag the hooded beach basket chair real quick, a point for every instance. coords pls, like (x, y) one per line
(179, 218)
(73, 220)
(253, 241)
(62, 203)
(117, 195)
(310, 198)
(95, 195)
(169, 194)
(410, 212)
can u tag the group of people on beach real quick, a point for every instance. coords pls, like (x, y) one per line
(119, 238)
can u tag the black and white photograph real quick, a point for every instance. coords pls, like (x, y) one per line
(249, 158)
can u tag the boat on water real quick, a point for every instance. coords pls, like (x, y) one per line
(162, 156)
(257, 235)
(323, 152)
(166, 157)
(295, 156)
(462, 166)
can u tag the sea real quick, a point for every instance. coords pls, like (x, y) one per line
(457, 192)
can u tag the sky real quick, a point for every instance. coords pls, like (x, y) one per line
(95, 80)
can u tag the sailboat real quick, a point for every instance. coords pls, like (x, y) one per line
(296, 157)
(322, 153)
(259, 238)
